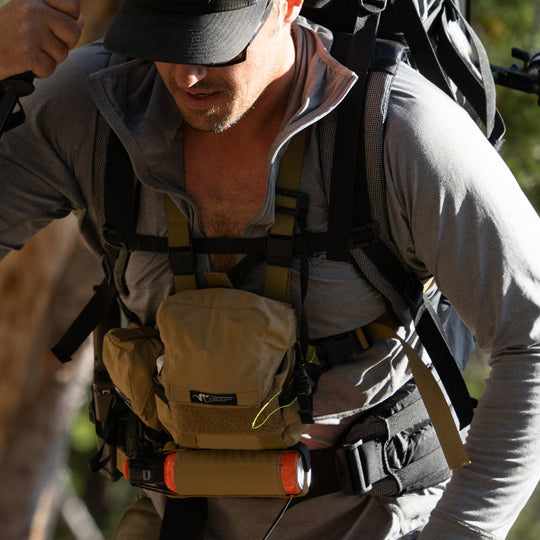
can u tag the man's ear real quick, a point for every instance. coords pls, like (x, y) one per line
(292, 10)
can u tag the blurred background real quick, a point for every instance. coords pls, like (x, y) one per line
(46, 439)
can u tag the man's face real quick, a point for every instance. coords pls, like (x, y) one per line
(215, 98)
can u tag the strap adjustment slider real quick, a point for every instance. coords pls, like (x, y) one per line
(351, 468)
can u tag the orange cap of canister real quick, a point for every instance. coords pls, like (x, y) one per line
(292, 472)
(126, 470)
(168, 472)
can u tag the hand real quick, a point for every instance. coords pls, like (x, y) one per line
(36, 35)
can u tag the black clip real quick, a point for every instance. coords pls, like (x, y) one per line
(363, 235)
(114, 238)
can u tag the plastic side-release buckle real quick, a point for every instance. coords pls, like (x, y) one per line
(351, 468)
(147, 473)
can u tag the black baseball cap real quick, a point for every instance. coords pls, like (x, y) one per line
(184, 31)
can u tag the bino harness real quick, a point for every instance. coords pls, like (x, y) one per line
(221, 393)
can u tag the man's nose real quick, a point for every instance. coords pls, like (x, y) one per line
(186, 75)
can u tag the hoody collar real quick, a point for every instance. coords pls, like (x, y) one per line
(138, 107)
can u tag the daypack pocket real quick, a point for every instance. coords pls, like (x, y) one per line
(130, 354)
(228, 365)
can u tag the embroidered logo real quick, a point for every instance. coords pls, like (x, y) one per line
(212, 399)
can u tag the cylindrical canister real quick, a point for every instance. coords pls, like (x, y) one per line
(236, 473)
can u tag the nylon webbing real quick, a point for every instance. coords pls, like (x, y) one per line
(420, 44)
(480, 94)
(181, 256)
(434, 400)
(278, 276)
(420, 469)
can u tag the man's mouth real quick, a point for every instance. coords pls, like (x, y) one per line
(201, 100)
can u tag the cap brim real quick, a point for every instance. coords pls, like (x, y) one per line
(141, 31)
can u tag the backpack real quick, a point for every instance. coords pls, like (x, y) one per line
(440, 44)
(357, 176)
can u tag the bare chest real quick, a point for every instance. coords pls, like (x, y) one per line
(228, 196)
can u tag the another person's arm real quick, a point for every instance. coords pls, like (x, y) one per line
(36, 35)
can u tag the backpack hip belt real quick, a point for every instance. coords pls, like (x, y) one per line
(392, 449)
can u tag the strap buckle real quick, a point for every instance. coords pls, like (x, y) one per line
(292, 202)
(373, 6)
(147, 473)
(279, 250)
(363, 235)
(114, 238)
(351, 466)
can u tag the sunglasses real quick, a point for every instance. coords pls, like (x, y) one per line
(241, 57)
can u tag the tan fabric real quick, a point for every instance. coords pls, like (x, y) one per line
(234, 473)
(139, 522)
(130, 355)
(228, 353)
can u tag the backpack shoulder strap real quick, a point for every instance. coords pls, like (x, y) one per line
(115, 204)
(377, 258)
(359, 225)
(349, 119)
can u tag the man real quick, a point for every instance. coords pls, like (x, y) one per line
(205, 112)
(36, 35)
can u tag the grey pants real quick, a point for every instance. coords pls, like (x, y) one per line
(332, 517)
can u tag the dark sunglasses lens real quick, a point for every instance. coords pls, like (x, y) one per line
(239, 58)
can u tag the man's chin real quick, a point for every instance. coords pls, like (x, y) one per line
(210, 123)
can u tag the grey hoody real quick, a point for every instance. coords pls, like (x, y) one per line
(456, 212)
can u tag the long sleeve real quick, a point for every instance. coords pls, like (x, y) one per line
(457, 213)
(46, 164)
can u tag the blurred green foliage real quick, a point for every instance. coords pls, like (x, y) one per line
(501, 24)
(106, 501)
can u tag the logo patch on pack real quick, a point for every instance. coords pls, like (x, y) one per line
(212, 399)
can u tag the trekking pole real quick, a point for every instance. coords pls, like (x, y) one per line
(525, 79)
(11, 89)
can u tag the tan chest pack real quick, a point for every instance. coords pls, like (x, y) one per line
(223, 360)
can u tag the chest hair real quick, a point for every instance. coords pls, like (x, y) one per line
(229, 194)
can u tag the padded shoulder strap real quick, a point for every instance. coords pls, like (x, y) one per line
(114, 202)
(378, 260)
(347, 155)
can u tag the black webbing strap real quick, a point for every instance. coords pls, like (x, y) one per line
(120, 196)
(422, 51)
(86, 321)
(432, 337)
(184, 518)
(429, 332)
(447, 61)
(117, 209)
(404, 281)
(338, 16)
(346, 156)
(479, 92)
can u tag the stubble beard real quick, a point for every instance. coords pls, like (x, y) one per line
(218, 118)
